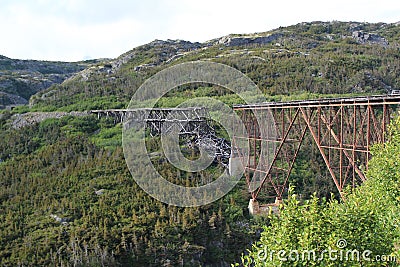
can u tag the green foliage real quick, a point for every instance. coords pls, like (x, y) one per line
(70, 168)
(109, 137)
(20, 109)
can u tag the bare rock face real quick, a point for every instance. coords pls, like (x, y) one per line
(369, 38)
(248, 40)
(162, 52)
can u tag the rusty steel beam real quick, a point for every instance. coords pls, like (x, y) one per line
(343, 129)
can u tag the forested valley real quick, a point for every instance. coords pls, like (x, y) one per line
(67, 197)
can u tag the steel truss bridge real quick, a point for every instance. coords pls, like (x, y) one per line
(194, 126)
(343, 129)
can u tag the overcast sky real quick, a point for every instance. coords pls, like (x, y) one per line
(72, 30)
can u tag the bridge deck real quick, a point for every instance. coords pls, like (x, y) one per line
(148, 109)
(349, 101)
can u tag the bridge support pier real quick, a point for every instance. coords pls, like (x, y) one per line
(235, 165)
(256, 208)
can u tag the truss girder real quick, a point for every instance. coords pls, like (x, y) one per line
(343, 130)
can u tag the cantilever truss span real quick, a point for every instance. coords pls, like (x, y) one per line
(343, 129)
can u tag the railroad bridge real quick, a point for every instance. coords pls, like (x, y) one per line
(190, 120)
(343, 129)
(194, 125)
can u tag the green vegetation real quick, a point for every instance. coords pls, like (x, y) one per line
(74, 168)
(67, 197)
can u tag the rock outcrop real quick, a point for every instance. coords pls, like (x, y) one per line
(161, 52)
(21, 120)
(248, 40)
(63, 221)
(369, 38)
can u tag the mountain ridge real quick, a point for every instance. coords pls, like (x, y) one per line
(21, 78)
(317, 38)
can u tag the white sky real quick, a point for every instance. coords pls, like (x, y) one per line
(72, 30)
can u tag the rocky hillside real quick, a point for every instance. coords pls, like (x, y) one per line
(19, 79)
(312, 58)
